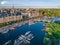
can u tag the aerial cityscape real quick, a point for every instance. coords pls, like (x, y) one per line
(29, 22)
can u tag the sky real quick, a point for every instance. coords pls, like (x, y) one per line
(30, 3)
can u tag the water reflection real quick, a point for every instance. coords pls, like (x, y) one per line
(34, 28)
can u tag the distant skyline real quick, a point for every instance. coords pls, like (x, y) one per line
(30, 3)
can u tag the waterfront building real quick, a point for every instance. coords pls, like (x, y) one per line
(7, 15)
(14, 14)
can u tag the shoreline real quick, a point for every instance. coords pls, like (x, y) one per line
(6, 28)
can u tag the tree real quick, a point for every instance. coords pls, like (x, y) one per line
(53, 33)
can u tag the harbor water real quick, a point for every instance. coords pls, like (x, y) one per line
(35, 29)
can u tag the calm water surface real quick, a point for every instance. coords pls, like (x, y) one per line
(36, 30)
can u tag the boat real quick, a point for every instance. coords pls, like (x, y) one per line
(7, 43)
(3, 30)
(24, 39)
(13, 28)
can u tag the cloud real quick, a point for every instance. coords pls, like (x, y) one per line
(4, 2)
